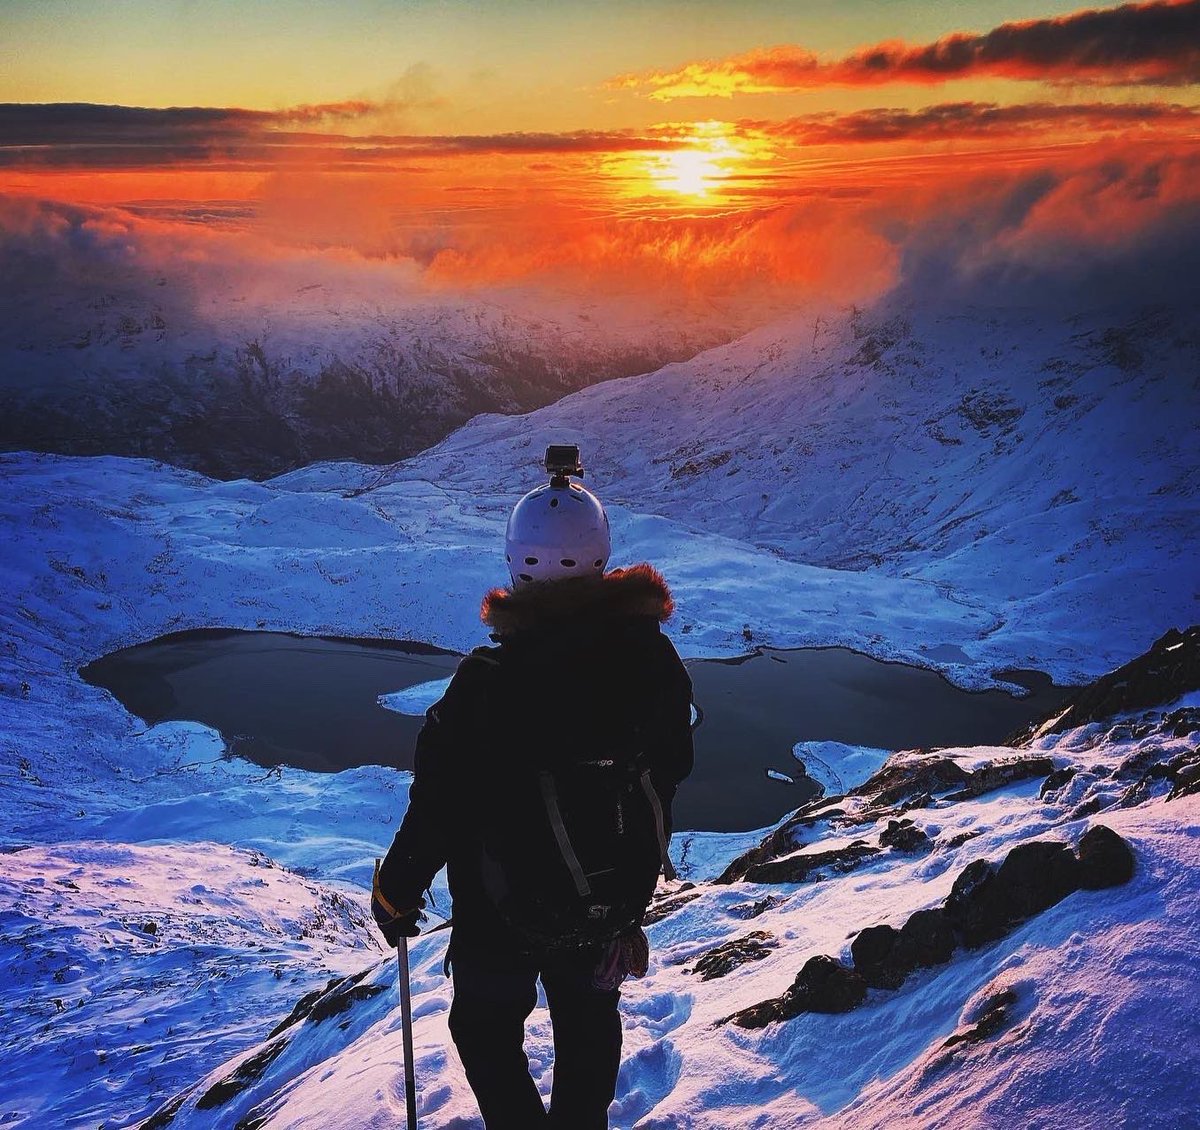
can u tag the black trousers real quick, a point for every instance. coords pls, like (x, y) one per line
(494, 993)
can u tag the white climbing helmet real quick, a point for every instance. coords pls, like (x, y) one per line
(557, 530)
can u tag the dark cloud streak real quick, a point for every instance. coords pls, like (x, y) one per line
(961, 120)
(1156, 44)
(94, 136)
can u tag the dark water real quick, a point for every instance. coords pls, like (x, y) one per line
(311, 702)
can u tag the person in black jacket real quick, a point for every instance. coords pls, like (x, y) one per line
(580, 657)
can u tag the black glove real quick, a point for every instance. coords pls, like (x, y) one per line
(394, 923)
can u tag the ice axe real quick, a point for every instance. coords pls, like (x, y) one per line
(410, 1078)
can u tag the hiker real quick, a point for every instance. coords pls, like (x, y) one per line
(544, 779)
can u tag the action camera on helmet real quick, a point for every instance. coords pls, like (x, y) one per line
(558, 530)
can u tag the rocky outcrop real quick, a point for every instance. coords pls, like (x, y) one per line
(669, 903)
(1000, 774)
(729, 955)
(885, 956)
(903, 836)
(823, 985)
(336, 998)
(801, 867)
(1105, 860)
(899, 786)
(1169, 670)
(986, 903)
(997, 1014)
(913, 777)
(249, 1071)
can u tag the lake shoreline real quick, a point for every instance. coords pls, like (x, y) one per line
(312, 702)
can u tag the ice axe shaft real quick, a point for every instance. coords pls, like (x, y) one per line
(410, 1078)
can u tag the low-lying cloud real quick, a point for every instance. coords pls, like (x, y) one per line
(1110, 222)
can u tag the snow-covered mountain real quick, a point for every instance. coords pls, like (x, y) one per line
(978, 518)
(1042, 471)
(235, 380)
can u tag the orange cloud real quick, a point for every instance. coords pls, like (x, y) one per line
(1155, 43)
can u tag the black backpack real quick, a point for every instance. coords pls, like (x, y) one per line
(573, 838)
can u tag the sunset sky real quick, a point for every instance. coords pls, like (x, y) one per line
(711, 145)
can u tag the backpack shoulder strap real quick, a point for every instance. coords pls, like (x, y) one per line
(554, 813)
(668, 868)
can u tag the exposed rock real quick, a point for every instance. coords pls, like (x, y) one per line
(1187, 776)
(335, 990)
(873, 951)
(165, 1115)
(885, 956)
(903, 835)
(1105, 859)
(729, 955)
(1182, 723)
(756, 1016)
(782, 840)
(1056, 780)
(973, 913)
(247, 1072)
(986, 902)
(798, 868)
(824, 985)
(1161, 676)
(926, 939)
(962, 838)
(661, 910)
(1150, 786)
(302, 1008)
(913, 777)
(999, 774)
(873, 945)
(340, 999)
(997, 1015)
(1146, 762)
(1036, 875)
(754, 909)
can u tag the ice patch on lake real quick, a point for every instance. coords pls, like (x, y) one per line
(415, 700)
(837, 767)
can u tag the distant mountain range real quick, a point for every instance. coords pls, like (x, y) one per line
(238, 386)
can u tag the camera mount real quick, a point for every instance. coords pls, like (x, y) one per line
(562, 461)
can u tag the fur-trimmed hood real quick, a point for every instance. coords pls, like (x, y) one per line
(639, 590)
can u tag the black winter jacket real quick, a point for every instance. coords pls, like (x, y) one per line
(576, 660)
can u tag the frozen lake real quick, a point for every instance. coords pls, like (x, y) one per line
(312, 702)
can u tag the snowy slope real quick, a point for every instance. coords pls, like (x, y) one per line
(126, 965)
(1098, 1027)
(1041, 470)
(104, 552)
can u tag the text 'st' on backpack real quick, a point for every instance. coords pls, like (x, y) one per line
(574, 843)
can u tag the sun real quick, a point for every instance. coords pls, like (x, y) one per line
(688, 172)
(708, 156)
(702, 163)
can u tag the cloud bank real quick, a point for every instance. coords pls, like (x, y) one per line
(1148, 44)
